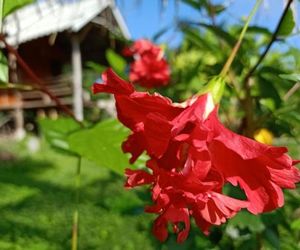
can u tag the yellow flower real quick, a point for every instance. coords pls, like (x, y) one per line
(264, 135)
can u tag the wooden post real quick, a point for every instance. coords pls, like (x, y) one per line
(77, 78)
(19, 117)
(18, 114)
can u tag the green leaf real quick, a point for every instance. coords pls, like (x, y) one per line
(296, 225)
(10, 6)
(291, 77)
(102, 145)
(247, 220)
(96, 67)
(117, 62)
(211, 9)
(215, 9)
(196, 4)
(219, 32)
(57, 131)
(3, 68)
(248, 243)
(194, 36)
(271, 70)
(287, 24)
(160, 33)
(272, 237)
(259, 30)
(269, 103)
(273, 219)
(267, 89)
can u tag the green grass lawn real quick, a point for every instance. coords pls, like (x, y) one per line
(38, 197)
(38, 200)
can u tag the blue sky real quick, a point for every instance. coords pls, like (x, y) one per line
(145, 18)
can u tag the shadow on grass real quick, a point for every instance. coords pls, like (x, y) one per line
(31, 208)
(37, 213)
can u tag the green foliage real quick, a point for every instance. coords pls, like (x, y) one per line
(220, 33)
(245, 220)
(296, 225)
(117, 62)
(104, 141)
(288, 24)
(3, 69)
(11, 6)
(211, 9)
(57, 131)
(104, 145)
(197, 4)
(6, 8)
(292, 77)
(204, 50)
(95, 67)
(38, 199)
(161, 32)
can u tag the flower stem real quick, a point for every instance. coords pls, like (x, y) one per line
(76, 213)
(216, 85)
(236, 47)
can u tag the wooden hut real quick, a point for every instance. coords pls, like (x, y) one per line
(56, 38)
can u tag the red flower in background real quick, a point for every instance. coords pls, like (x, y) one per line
(192, 155)
(149, 68)
(142, 47)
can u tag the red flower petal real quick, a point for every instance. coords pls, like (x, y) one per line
(149, 68)
(192, 155)
(112, 84)
(150, 72)
(135, 144)
(137, 178)
(157, 134)
(143, 46)
(175, 216)
(134, 109)
(251, 165)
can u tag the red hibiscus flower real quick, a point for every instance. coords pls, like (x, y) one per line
(149, 68)
(142, 47)
(192, 156)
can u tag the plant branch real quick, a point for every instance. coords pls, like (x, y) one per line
(250, 123)
(40, 85)
(211, 13)
(291, 91)
(273, 39)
